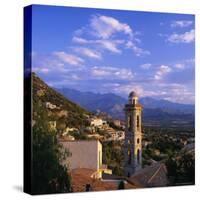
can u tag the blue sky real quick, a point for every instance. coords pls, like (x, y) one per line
(115, 51)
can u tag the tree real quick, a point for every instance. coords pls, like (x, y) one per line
(172, 170)
(187, 168)
(121, 185)
(48, 175)
(181, 169)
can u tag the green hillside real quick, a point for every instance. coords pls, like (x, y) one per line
(50, 106)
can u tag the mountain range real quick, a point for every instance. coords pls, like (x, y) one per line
(155, 111)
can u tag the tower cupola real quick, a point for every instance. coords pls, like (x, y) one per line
(133, 98)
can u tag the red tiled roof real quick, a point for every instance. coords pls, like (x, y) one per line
(82, 176)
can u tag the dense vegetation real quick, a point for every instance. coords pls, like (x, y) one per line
(48, 175)
(181, 169)
(167, 146)
(113, 156)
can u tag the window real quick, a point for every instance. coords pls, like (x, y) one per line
(129, 122)
(138, 156)
(138, 121)
(138, 141)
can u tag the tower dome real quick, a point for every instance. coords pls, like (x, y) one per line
(133, 98)
(132, 94)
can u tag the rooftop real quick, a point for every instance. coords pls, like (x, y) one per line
(154, 175)
(82, 176)
(132, 94)
(62, 139)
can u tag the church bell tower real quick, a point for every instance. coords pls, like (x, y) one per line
(133, 136)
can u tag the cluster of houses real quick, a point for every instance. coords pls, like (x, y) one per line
(96, 126)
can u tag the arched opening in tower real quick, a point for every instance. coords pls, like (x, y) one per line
(138, 121)
(130, 122)
(138, 156)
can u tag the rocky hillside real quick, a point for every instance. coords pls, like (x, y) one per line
(53, 110)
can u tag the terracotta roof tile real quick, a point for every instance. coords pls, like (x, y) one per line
(82, 176)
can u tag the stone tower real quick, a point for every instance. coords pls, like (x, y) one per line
(133, 136)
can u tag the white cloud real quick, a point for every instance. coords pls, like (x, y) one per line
(125, 89)
(41, 70)
(181, 23)
(79, 40)
(110, 45)
(190, 61)
(184, 64)
(104, 26)
(170, 91)
(69, 58)
(46, 63)
(180, 66)
(104, 31)
(146, 66)
(162, 71)
(178, 92)
(87, 52)
(111, 73)
(137, 50)
(186, 37)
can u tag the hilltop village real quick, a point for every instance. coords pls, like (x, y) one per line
(100, 126)
(107, 153)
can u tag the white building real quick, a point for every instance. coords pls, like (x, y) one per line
(50, 105)
(85, 154)
(68, 130)
(116, 122)
(97, 122)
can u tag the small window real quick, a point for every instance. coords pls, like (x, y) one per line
(138, 156)
(138, 141)
(129, 122)
(138, 121)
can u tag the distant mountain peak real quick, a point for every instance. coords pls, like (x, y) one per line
(158, 109)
